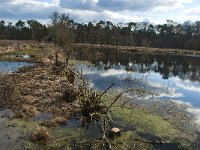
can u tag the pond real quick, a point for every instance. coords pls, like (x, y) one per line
(174, 78)
(6, 66)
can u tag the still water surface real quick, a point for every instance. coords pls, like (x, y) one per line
(6, 66)
(175, 78)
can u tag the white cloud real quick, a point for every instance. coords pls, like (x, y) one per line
(56, 2)
(88, 10)
(192, 12)
(27, 9)
(124, 10)
(121, 16)
(187, 85)
(113, 72)
(120, 5)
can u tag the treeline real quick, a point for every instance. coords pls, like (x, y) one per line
(181, 36)
(29, 30)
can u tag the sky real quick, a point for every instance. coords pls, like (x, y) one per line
(83, 11)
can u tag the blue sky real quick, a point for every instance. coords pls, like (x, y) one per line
(155, 11)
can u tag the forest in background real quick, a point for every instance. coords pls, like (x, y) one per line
(169, 35)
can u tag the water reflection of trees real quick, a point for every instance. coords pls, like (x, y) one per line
(184, 67)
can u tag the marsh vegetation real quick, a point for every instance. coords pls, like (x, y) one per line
(72, 94)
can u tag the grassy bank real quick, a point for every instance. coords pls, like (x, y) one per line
(143, 50)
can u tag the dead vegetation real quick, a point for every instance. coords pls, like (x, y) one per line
(7, 46)
(37, 89)
(40, 134)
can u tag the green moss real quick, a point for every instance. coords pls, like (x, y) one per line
(67, 138)
(146, 122)
(128, 141)
(149, 123)
(74, 62)
(21, 123)
(142, 119)
(21, 128)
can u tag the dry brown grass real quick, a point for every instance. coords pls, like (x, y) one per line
(35, 90)
(29, 110)
(40, 134)
(60, 120)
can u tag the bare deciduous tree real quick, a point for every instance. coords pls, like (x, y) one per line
(62, 34)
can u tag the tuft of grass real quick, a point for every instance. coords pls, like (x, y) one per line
(41, 135)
